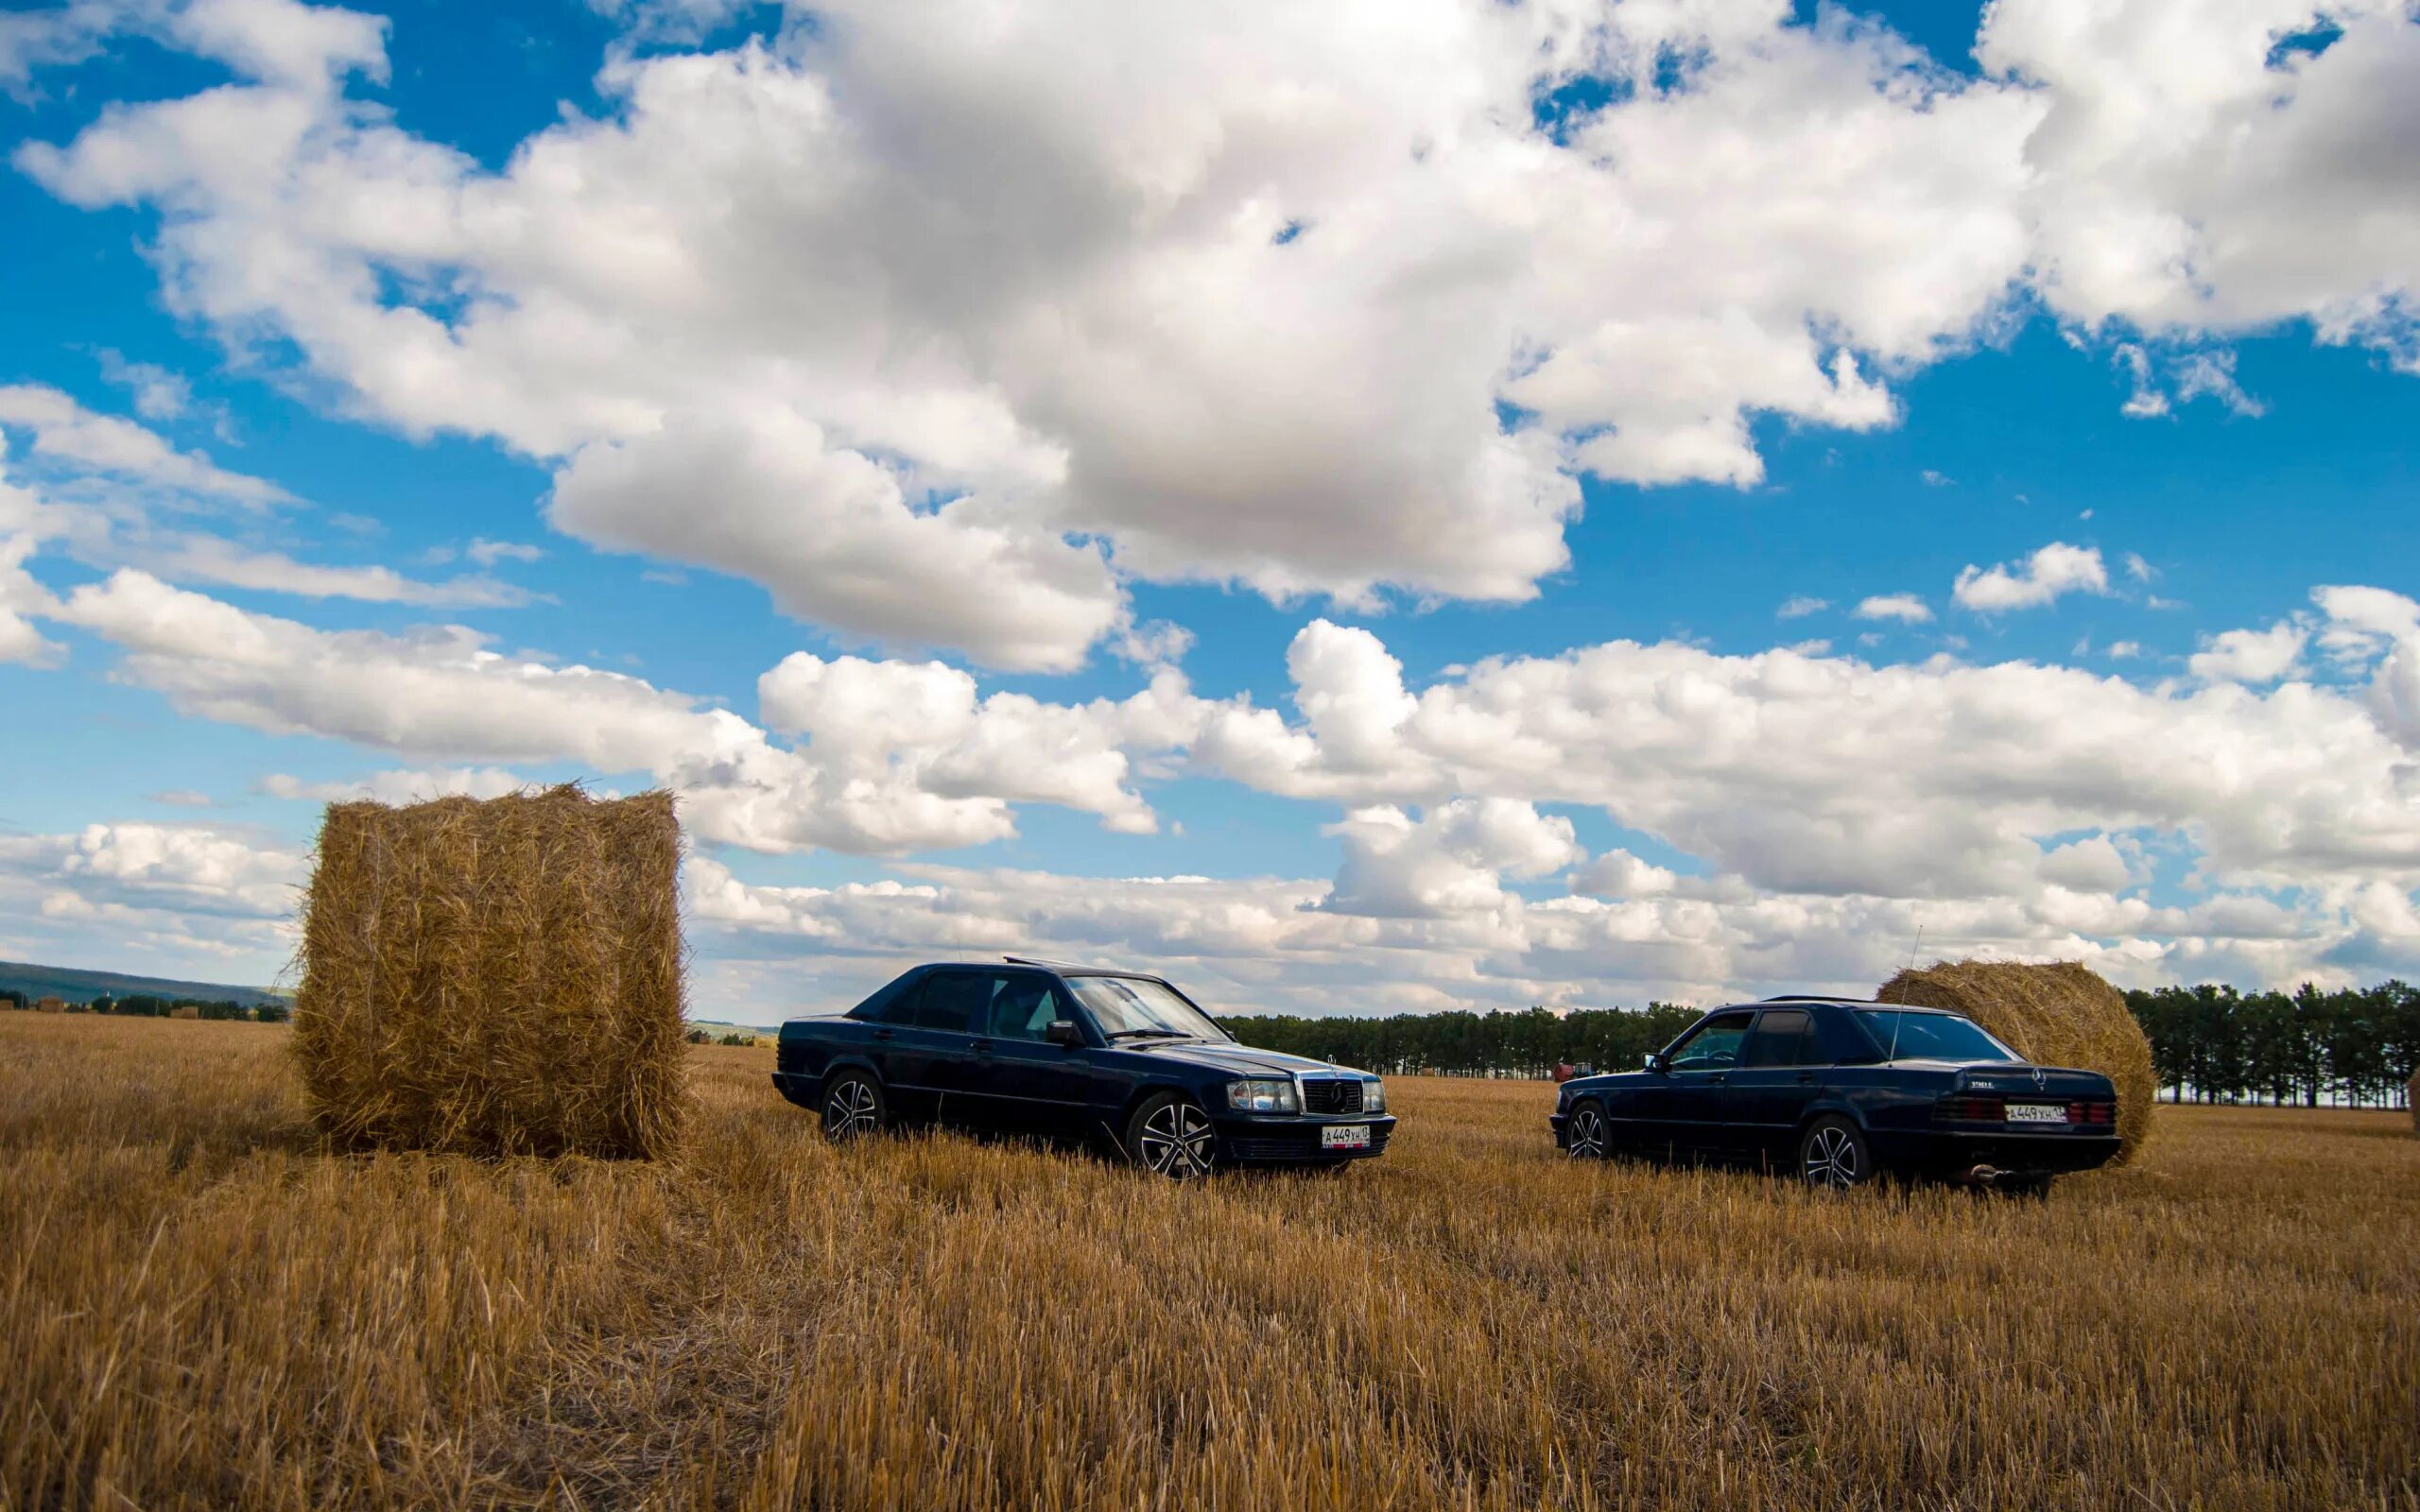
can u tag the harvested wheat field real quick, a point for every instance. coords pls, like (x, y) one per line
(199, 1307)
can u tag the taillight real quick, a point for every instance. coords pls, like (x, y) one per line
(1971, 1110)
(2091, 1113)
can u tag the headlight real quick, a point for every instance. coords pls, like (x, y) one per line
(1374, 1096)
(1261, 1096)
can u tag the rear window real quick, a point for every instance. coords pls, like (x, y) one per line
(1908, 1035)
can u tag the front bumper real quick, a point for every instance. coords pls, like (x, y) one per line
(1280, 1140)
(1947, 1152)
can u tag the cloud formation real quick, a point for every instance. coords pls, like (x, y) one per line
(1028, 300)
(64, 431)
(1827, 807)
(2056, 569)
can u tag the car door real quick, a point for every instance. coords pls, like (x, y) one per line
(1014, 1078)
(1778, 1076)
(1694, 1119)
(920, 1041)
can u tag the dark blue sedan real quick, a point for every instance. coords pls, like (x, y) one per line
(1118, 1058)
(1837, 1090)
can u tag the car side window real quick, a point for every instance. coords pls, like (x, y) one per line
(1021, 1007)
(954, 1001)
(1714, 1045)
(898, 1001)
(1839, 1041)
(1784, 1037)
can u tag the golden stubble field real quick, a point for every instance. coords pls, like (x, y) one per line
(199, 1309)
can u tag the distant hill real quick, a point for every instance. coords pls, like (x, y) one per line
(83, 987)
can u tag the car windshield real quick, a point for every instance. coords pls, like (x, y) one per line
(1932, 1036)
(1133, 1008)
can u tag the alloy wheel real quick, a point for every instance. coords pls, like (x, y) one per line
(1832, 1159)
(1176, 1141)
(1588, 1138)
(849, 1108)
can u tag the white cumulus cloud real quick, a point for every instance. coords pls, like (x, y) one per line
(2056, 568)
(1904, 607)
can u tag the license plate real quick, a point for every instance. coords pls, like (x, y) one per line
(2037, 1112)
(1345, 1137)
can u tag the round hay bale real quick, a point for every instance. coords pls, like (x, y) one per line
(2057, 1015)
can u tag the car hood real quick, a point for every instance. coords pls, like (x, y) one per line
(1243, 1060)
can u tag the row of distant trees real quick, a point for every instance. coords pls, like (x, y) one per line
(146, 1005)
(1526, 1042)
(2215, 1044)
(2209, 1043)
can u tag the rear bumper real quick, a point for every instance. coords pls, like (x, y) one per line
(1943, 1152)
(1296, 1141)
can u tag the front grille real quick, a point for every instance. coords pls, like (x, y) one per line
(1332, 1095)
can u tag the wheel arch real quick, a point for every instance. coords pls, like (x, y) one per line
(851, 1062)
(1827, 1106)
(1142, 1092)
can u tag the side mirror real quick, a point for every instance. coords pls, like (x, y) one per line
(1064, 1033)
(1655, 1062)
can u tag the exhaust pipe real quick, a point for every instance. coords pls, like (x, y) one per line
(1981, 1176)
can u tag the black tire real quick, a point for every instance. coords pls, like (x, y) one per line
(853, 1107)
(1833, 1154)
(1169, 1135)
(1587, 1135)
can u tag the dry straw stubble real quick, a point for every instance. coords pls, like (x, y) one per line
(496, 977)
(207, 1314)
(2055, 1015)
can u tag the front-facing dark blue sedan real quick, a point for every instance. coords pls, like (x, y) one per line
(1837, 1091)
(1121, 1059)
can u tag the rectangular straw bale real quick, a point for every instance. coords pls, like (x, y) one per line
(496, 977)
(2062, 1014)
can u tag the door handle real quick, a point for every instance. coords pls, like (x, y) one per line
(882, 1034)
(1806, 1077)
(982, 1047)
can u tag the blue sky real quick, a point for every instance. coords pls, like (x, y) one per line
(1445, 474)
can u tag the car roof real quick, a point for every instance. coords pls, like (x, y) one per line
(1828, 999)
(1041, 963)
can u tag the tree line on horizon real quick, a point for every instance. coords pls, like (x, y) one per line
(152, 1005)
(2209, 1044)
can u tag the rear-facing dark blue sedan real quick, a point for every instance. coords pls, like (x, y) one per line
(1120, 1058)
(1837, 1091)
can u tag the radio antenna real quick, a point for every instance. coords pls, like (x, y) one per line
(1901, 1017)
